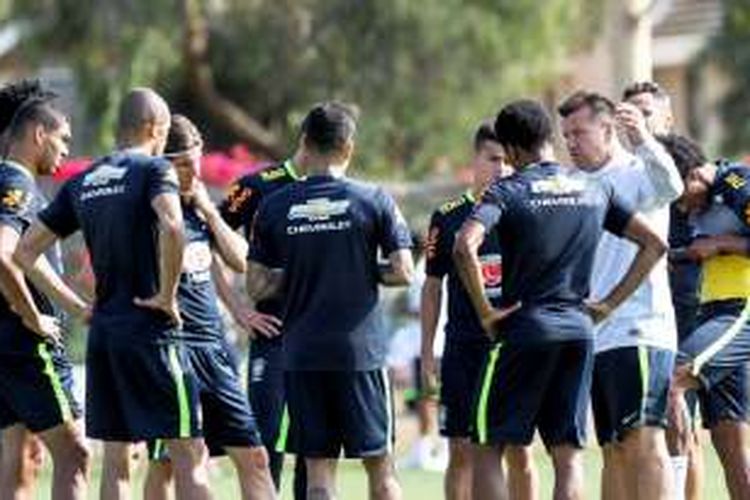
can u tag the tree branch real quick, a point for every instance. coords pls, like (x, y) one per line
(201, 80)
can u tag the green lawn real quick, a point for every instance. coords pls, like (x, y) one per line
(417, 485)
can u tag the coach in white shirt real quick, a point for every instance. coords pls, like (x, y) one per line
(635, 346)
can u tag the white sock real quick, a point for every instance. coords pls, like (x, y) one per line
(680, 470)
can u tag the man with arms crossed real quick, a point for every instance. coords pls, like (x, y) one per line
(467, 345)
(548, 220)
(35, 373)
(322, 235)
(139, 386)
(635, 346)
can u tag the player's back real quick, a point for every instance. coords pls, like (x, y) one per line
(550, 222)
(326, 232)
(111, 203)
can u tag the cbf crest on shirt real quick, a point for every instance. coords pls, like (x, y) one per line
(326, 234)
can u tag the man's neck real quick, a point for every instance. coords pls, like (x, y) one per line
(321, 166)
(128, 147)
(546, 155)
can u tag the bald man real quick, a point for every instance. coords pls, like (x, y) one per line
(139, 386)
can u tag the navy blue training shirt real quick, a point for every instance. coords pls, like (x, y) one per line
(548, 221)
(196, 293)
(20, 202)
(463, 324)
(239, 207)
(325, 233)
(111, 203)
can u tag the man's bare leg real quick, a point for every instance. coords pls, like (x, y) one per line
(614, 472)
(253, 472)
(381, 478)
(568, 464)
(488, 482)
(116, 471)
(683, 443)
(189, 460)
(730, 439)
(321, 478)
(648, 462)
(70, 461)
(21, 459)
(458, 476)
(523, 477)
(158, 480)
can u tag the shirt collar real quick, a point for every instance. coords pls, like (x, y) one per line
(289, 167)
(17, 166)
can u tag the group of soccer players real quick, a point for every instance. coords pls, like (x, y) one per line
(558, 291)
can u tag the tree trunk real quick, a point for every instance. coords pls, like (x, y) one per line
(632, 41)
(201, 81)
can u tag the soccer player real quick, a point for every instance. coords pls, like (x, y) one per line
(321, 237)
(467, 345)
(265, 384)
(138, 384)
(229, 424)
(35, 373)
(548, 220)
(684, 275)
(635, 347)
(717, 196)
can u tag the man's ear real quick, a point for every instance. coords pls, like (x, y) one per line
(39, 134)
(347, 151)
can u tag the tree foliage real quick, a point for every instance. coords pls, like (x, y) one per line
(423, 72)
(732, 50)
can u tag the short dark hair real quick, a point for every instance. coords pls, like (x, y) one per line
(645, 87)
(485, 133)
(329, 125)
(686, 153)
(523, 124)
(183, 136)
(597, 103)
(34, 112)
(13, 95)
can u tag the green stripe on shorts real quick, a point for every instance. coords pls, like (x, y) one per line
(182, 397)
(280, 445)
(49, 370)
(645, 377)
(484, 395)
(723, 339)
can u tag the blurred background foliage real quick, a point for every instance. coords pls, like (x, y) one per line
(422, 72)
(731, 48)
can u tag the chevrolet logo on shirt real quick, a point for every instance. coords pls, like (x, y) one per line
(557, 186)
(103, 175)
(318, 209)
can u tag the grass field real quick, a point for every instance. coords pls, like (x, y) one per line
(417, 485)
